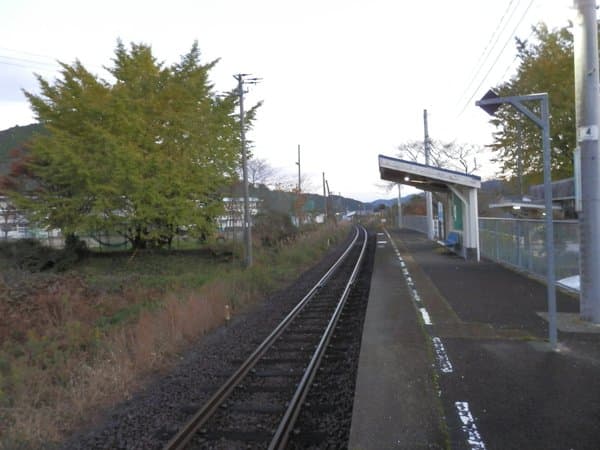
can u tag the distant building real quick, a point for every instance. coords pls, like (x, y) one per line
(233, 218)
(13, 224)
(563, 195)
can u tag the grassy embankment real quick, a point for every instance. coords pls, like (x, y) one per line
(74, 342)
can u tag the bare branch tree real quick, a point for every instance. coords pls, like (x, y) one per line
(260, 171)
(446, 155)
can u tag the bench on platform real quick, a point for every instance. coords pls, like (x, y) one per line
(452, 239)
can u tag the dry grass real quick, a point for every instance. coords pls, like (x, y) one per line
(73, 370)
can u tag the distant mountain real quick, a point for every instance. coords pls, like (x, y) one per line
(14, 138)
(388, 202)
(493, 185)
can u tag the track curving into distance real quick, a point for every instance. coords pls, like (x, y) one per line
(259, 404)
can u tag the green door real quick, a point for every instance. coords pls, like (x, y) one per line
(457, 213)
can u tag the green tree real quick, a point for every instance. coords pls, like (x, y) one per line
(546, 65)
(144, 156)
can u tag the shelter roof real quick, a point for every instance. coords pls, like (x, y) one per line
(421, 176)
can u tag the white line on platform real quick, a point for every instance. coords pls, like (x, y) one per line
(468, 423)
(442, 356)
(473, 437)
(425, 316)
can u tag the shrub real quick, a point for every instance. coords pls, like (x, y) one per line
(273, 227)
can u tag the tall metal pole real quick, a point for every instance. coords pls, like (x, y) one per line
(247, 224)
(428, 197)
(585, 45)
(490, 103)
(550, 275)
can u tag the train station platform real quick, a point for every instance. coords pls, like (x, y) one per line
(455, 355)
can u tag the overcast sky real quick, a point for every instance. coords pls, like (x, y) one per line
(346, 79)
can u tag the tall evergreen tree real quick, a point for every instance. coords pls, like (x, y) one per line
(144, 156)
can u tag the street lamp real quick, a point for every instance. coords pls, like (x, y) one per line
(490, 103)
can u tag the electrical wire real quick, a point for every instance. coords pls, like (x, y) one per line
(28, 62)
(33, 64)
(487, 51)
(497, 58)
(514, 59)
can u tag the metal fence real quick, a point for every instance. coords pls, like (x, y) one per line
(98, 241)
(417, 223)
(521, 243)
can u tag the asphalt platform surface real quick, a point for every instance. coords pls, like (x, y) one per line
(455, 355)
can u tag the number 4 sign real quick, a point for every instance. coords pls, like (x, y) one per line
(587, 133)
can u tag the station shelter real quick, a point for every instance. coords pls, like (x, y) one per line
(458, 193)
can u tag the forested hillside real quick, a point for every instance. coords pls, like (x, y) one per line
(15, 137)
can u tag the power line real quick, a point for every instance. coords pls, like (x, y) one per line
(481, 60)
(6, 63)
(27, 53)
(30, 61)
(497, 58)
(34, 64)
(514, 59)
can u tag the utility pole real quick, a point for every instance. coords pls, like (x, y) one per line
(324, 200)
(241, 79)
(519, 157)
(428, 198)
(299, 179)
(331, 206)
(298, 193)
(585, 46)
(399, 206)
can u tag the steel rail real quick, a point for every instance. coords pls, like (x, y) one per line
(286, 424)
(191, 427)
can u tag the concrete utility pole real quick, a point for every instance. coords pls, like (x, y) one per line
(247, 221)
(324, 200)
(331, 207)
(298, 163)
(399, 206)
(428, 198)
(585, 45)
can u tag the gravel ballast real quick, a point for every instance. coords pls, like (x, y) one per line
(153, 415)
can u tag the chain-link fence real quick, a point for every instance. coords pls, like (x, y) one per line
(417, 223)
(521, 243)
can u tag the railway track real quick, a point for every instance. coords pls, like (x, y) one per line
(257, 407)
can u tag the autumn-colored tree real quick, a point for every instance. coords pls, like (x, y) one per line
(546, 65)
(143, 156)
